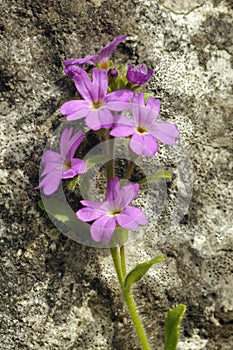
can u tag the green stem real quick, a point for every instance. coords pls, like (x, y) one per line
(123, 265)
(136, 320)
(117, 263)
(129, 300)
(129, 170)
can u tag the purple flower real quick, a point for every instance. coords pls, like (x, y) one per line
(63, 165)
(144, 128)
(102, 58)
(139, 74)
(97, 104)
(114, 211)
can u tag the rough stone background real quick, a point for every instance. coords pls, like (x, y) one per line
(56, 294)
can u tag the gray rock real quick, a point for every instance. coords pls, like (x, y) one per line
(57, 294)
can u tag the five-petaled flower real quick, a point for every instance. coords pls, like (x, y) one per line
(144, 128)
(62, 165)
(115, 210)
(102, 58)
(139, 74)
(97, 104)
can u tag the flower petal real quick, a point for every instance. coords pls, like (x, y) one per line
(64, 140)
(69, 173)
(51, 156)
(143, 116)
(88, 214)
(126, 195)
(78, 165)
(131, 218)
(113, 189)
(84, 86)
(51, 182)
(122, 95)
(103, 227)
(165, 132)
(75, 141)
(68, 144)
(82, 61)
(143, 144)
(153, 104)
(122, 131)
(100, 84)
(97, 119)
(101, 206)
(75, 109)
(111, 47)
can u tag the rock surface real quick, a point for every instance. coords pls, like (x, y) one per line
(56, 294)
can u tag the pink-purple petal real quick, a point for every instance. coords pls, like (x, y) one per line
(100, 84)
(123, 95)
(101, 206)
(103, 228)
(122, 131)
(68, 173)
(75, 143)
(81, 61)
(79, 165)
(51, 182)
(97, 119)
(143, 144)
(84, 86)
(113, 189)
(126, 195)
(153, 104)
(64, 140)
(68, 144)
(131, 218)
(71, 107)
(110, 48)
(88, 214)
(165, 132)
(78, 115)
(51, 156)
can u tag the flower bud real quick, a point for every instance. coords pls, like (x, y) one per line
(113, 73)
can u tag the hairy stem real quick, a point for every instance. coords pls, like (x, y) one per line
(129, 170)
(129, 299)
(123, 265)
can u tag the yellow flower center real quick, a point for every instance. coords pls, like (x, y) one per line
(141, 130)
(67, 165)
(115, 212)
(97, 104)
(104, 65)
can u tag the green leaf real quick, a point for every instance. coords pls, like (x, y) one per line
(139, 271)
(161, 174)
(172, 326)
(41, 205)
(71, 184)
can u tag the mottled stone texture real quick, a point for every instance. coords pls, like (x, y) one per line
(56, 294)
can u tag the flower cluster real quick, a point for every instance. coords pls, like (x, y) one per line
(106, 92)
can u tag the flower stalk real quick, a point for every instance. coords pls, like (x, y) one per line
(119, 263)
